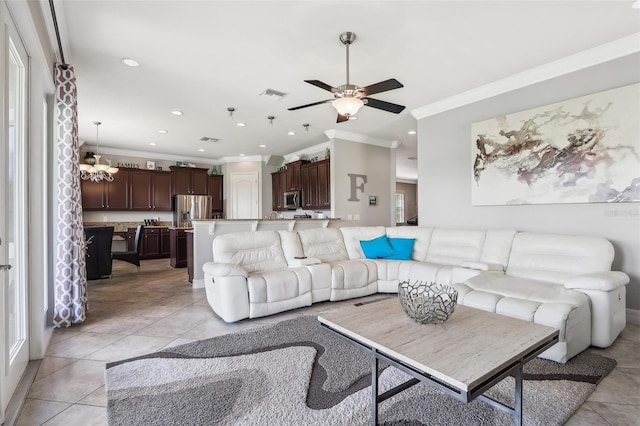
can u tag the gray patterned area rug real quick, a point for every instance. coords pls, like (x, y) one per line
(295, 373)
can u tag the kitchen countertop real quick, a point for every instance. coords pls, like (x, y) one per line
(266, 220)
(124, 226)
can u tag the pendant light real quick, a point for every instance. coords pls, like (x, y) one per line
(97, 172)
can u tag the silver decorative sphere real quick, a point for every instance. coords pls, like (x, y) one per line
(427, 302)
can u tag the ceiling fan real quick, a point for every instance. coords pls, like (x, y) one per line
(348, 98)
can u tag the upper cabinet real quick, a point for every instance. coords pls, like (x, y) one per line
(293, 173)
(106, 195)
(150, 190)
(189, 180)
(216, 193)
(276, 191)
(316, 185)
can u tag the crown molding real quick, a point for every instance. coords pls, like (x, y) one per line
(360, 138)
(293, 156)
(155, 155)
(597, 55)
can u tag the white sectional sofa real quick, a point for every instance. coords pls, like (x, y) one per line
(561, 281)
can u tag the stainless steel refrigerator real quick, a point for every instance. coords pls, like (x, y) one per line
(190, 207)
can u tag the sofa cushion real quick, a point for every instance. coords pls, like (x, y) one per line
(497, 246)
(402, 247)
(323, 243)
(377, 248)
(254, 251)
(278, 285)
(352, 235)
(291, 246)
(422, 235)
(453, 246)
(556, 258)
(526, 289)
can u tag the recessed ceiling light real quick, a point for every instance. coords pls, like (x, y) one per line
(176, 112)
(263, 146)
(153, 143)
(130, 62)
(164, 132)
(412, 132)
(291, 133)
(241, 155)
(201, 150)
(240, 124)
(636, 5)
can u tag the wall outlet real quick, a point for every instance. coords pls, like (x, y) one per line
(349, 217)
(104, 218)
(356, 217)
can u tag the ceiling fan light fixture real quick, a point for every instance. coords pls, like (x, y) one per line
(347, 106)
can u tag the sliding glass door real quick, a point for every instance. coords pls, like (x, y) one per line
(14, 344)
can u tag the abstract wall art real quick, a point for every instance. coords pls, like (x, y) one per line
(583, 150)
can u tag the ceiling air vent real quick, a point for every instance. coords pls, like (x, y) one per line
(274, 94)
(208, 139)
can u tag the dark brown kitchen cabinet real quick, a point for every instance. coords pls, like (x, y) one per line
(324, 185)
(189, 234)
(277, 192)
(155, 242)
(165, 242)
(178, 248)
(316, 185)
(151, 242)
(216, 192)
(189, 180)
(150, 190)
(106, 195)
(292, 173)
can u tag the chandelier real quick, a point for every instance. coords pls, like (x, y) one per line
(97, 172)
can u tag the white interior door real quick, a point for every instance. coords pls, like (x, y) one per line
(13, 195)
(244, 195)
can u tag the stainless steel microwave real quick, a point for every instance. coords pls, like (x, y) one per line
(292, 200)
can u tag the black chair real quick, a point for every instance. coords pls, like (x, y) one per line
(132, 257)
(98, 243)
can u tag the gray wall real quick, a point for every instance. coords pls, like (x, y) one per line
(444, 171)
(378, 164)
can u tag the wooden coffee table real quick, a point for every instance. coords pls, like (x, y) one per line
(462, 357)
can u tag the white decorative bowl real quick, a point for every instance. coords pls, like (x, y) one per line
(427, 302)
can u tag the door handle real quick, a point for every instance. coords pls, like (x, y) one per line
(5, 267)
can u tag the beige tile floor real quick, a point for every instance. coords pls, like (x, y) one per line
(137, 313)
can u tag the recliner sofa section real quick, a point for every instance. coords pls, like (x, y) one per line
(557, 280)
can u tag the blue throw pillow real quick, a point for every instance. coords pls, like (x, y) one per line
(403, 248)
(377, 248)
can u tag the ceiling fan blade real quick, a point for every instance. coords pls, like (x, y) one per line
(322, 85)
(308, 105)
(385, 106)
(383, 86)
(342, 118)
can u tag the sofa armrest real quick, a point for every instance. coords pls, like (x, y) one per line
(224, 270)
(482, 266)
(603, 281)
(303, 262)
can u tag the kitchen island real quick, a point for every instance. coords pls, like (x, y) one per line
(204, 231)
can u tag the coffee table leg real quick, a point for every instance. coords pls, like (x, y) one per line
(374, 388)
(517, 414)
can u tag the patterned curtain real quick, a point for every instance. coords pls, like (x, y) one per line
(70, 287)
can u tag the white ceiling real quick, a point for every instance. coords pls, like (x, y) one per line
(202, 57)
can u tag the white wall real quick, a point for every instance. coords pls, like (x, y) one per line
(444, 171)
(378, 164)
